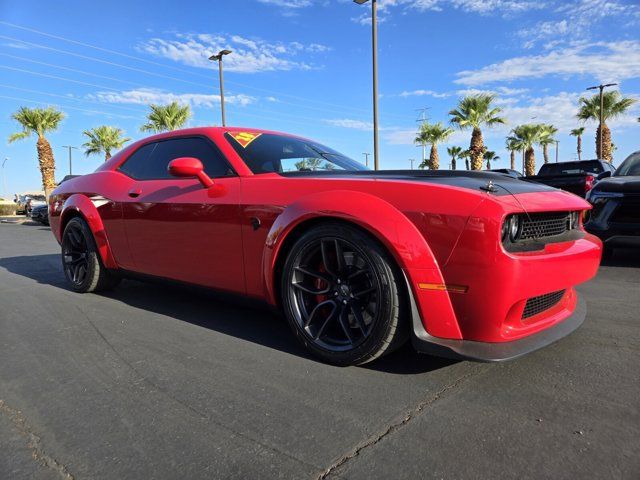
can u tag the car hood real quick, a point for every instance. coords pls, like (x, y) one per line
(622, 184)
(480, 181)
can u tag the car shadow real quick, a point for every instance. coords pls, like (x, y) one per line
(227, 314)
(622, 257)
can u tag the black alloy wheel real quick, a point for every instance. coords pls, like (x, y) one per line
(342, 296)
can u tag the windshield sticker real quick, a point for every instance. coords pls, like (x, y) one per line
(244, 138)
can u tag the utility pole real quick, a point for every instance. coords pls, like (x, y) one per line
(601, 87)
(70, 162)
(557, 142)
(412, 160)
(421, 119)
(218, 58)
(366, 159)
(4, 179)
(374, 48)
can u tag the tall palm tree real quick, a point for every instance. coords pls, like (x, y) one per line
(166, 117)
(614, 106)
(474, 111)
(578, 132)
(433, 133)
(490, 156)
(104, 139)
(465, 154)
(527, 136)
(454, 153)
(40, 121)
(513, 145)
(547, 137)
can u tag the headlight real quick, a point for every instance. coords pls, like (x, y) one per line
(514, 227)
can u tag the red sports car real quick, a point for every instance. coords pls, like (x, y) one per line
(477, 265)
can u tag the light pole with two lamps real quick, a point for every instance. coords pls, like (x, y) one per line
(218, 58)
(601, 87)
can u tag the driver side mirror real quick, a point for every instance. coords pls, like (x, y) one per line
(189, 167)
(604, 175)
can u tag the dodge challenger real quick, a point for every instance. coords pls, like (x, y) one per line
(475, 265)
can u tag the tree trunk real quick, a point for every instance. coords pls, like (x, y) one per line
(107, 156)
(477, 149)
(545, 152)
(513, 159)
(488, 164)
(606, 143)
(466, 162)
(579, 140)
(453, 163)
(434, 161)
(47, 165)
(530, 162)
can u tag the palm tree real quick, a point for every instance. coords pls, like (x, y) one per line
(527, 136)
(474, 111)
(490, 156)
(577, 132)
(40, 121)
(614, 106)
(433, 133)
(454, 153)
(104, 139)
(547, 137)
(465, 154)
(513, 145)
(166, 117)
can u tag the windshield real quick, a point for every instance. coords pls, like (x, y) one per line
(267, 152)
(571, 168)
(631, 166)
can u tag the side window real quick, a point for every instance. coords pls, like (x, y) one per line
(137, 164)
(151, 161)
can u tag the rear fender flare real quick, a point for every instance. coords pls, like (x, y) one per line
(78, 204)
(381, 219)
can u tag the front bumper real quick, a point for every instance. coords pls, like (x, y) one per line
(495, 352)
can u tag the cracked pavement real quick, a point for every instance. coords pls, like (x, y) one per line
(150, 381)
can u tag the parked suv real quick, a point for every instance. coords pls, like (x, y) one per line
(615, 217)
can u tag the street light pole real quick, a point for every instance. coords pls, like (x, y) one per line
(4, 180)
(374, 48)
(218, 57)
(412, 160)
(601, 87)
(366, 159)
(70, 162)
(557, 142)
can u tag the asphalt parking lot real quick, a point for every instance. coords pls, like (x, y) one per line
(151, 381)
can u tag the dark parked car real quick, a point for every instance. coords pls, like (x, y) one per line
(508, 171)
(615, 217)
(41, 214)
(576, 177)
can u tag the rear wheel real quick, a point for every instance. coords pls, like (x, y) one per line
(81, 261)
(342, 295)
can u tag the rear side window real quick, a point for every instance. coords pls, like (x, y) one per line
(151, 161)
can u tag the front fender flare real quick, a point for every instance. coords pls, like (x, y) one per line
(78, 204)
(385, 222)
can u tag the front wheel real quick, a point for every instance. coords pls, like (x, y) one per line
(343, 296)
(81, 260)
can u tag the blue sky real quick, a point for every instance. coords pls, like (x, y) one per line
(304, 66)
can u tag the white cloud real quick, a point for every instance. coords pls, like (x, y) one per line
(288, 3)
(349, 123)
(613, 61)
(422, 93)
(145, 96)
(249, 55)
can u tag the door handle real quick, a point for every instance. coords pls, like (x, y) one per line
(135, 192)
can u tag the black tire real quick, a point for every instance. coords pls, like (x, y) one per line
(348, 311)
(81, 261)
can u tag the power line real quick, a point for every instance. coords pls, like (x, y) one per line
(70, 107)
(31, 72)
(39, 32)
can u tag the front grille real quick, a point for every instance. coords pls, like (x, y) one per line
(540, 225)
(627, 212)
(536, 305)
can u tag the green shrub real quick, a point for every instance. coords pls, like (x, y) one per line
(8, 208)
